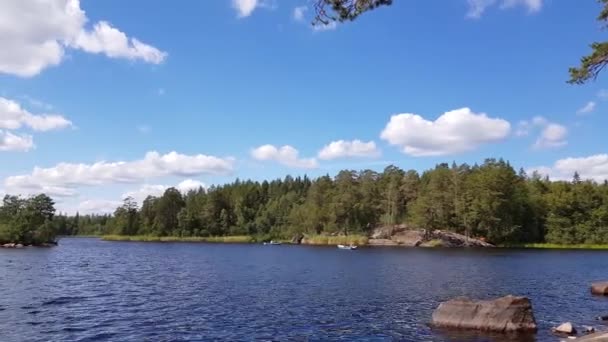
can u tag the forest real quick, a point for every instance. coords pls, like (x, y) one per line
(491, 200)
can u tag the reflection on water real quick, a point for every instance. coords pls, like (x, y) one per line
(90, 290)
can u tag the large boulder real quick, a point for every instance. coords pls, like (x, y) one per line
(505, 315)
(600, 288)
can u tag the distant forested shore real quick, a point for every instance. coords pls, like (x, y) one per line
(491, 201)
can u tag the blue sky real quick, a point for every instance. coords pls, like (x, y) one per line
(249, 89)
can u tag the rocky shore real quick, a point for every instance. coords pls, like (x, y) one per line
(20, 245)
(400, 235)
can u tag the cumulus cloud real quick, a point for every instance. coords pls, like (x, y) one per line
(587, 108)
(285, 155)
(346, 149)
(13, 142)
(594, 167)
(299, 12)
(13, 116)
(34, 35)
(552, 135)
(453, 132)
(478, 7)
(94, 206)
(66, 177)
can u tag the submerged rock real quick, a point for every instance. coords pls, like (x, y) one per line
(505, 315)
(600, 288)
(565, 328)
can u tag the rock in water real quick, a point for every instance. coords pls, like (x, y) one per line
(565, 328)
(600, 288)
(506, 314)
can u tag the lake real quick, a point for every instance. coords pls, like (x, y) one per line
(92, 290)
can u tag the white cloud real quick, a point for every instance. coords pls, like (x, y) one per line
(190, 184)
(345, 149)
(98, 206)
(299, 12)
(552, 135)
(35, 34)
(66, 176)
(453, 132)
(244, 8)
(587, 108)
(594, 167)
(285, 155)
(115, 44)
(13, 142)
(13, 116)
(478, 7)
(602, 94)
(146, 190)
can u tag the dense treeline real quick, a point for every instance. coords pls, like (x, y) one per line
(491, 200)
(27, 221)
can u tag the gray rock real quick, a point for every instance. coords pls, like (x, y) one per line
(565, 328)
(18, 245)
(600, 288)
(505, 315)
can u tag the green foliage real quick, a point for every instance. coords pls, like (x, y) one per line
(592, 64)
(490, 200)
(341, 10)
(27, 220)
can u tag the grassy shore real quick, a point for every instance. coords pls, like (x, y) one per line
(148, 238)
(556, 246)
(322, 240)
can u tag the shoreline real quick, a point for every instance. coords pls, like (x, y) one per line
(323, 241)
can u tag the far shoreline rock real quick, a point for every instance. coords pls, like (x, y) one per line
(401, 235)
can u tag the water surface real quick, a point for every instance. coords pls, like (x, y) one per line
(91, 290)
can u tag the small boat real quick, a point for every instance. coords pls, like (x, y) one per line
(349, 247)
(272, 243)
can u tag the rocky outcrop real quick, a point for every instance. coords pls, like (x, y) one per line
(508, 314)
(402, 236)
(600, 288)
(297, 239)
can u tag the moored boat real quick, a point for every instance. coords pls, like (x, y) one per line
(349, 247)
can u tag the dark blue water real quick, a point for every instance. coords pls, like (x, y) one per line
(90, 290)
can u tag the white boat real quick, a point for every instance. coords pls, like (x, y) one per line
(272, 243)
(350, 247)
